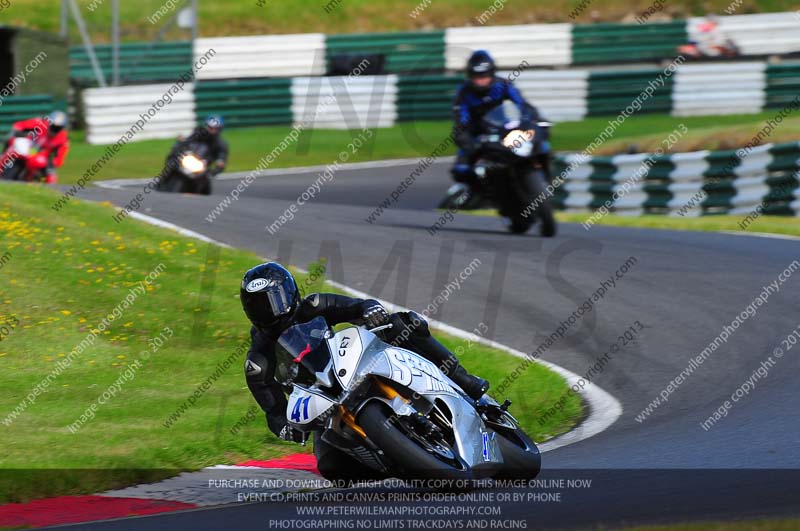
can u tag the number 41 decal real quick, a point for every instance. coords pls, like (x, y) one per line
(296, 409)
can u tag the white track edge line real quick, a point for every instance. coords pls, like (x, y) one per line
(180, 230)
(762, 235)
(119, 184)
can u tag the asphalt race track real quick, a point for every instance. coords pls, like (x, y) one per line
(682, 287)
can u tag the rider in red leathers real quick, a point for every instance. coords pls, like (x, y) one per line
(50, 134)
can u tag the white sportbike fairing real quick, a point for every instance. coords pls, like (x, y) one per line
(337, 377)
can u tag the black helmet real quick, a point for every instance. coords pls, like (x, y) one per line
(479, 64)
(269, 295)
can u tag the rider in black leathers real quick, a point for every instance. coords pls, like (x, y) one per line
(272, 302)
(208, 134)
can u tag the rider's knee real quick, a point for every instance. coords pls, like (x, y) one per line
(407, 326)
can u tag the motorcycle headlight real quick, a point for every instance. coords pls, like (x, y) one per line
(192, 164)
(520, 142)
(24, 146)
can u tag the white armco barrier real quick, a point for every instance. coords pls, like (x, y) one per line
(733, 88)
(796, 203)
(631, 172)
(263, 56)
(764, 34)
(534, 44)
(751, 182)
(687, 182)
(112, 111)
(345, 102)
(749, 176)
(560, 95)
(577, 183)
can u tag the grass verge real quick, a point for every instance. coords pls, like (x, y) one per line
(242, 17)
(789, 226)
(65, 275)
(769, 224)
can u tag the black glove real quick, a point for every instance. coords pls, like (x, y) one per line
(276, 422)
(290, 434)
(217, 167)
(375, 315)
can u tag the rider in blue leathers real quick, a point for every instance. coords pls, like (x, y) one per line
(479, 94)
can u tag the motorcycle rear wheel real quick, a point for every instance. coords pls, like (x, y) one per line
(15, 172)
(519, 225)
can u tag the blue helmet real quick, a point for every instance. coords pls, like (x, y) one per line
(214, 123)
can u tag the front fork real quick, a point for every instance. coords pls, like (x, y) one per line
(388, 392)
(349, 419)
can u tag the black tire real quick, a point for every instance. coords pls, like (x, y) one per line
(411, 460)
(453, 201)
(176, 185)
(547, 228)
(521, 457)
(163, 183)
(446, 202)
(335, 465)
(15, 172)
(204, 186)
(519, 225)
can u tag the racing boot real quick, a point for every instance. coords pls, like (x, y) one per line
(474, 386)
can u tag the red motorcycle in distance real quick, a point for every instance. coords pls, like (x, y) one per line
(24, 160)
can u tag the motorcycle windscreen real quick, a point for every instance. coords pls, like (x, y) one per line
(305, 344)
(505, 117)
(200, 150)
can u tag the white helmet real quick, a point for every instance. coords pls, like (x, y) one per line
(58, 121)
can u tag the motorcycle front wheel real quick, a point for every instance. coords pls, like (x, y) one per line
(521, 457)
(15, 172)
(176, 185)
(412, 457)
(203, 186)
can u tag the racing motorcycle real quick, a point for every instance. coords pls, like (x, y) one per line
(23, 160)
(511, 158)
(693, 50)
(395, 411)
(188, 171)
